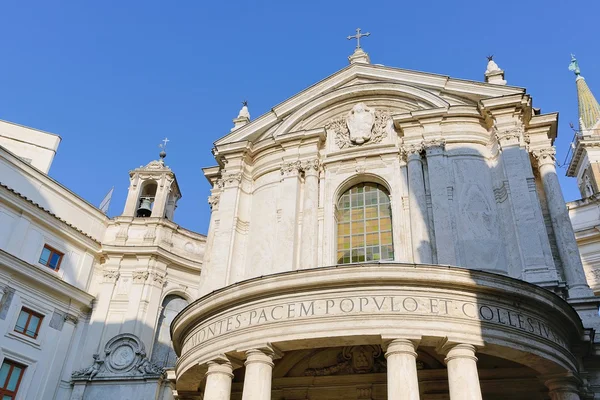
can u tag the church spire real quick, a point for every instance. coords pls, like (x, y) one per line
(589, 109)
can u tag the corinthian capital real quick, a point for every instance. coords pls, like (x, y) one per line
(291, 168)
(229, 179)
(412, 151)
(213, 201)
(509, 135)
(434, 147)
(311, 167)
(545, 156)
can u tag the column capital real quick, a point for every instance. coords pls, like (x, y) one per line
(291, 169)
(262, 355)
(434, 147)
(400, 346)
(412, 152)
(220, 366)
(458, 351)
(229, 179)
(311, 167)
(545, 156)
(508, 136)
(110, 275)
(213, 201)
(562, 383)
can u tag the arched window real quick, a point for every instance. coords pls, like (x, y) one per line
(364, 224)
(162, 351)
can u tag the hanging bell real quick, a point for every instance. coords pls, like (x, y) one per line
(145, 209)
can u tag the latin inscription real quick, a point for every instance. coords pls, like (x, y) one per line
(402, 305)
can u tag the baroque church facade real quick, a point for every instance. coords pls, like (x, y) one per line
(383, 234)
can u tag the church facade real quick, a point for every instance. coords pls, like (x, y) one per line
(383, 234)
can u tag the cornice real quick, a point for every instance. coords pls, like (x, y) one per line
(377, 73)
(166, 255)
(24, 204)
(55, 186)
(156, 222)
(45, 280)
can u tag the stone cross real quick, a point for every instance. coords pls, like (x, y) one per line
(358, 36)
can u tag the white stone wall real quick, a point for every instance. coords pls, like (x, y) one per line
(51, 196)
(36, 147)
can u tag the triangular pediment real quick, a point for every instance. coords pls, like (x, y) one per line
(401, 90)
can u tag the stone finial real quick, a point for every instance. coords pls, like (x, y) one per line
(243, 117)
(359, 56)
(493, 73)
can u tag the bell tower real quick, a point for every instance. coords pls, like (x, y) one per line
(585, 163)
(153, 190)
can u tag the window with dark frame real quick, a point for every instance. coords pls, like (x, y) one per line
(11, 374)
(29, 323)
(364, 224)
(51, 257)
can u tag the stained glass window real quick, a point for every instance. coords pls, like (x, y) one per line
(364, 225)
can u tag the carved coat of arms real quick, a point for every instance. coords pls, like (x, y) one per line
(362, 124)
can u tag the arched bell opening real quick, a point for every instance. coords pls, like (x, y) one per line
(146, 199)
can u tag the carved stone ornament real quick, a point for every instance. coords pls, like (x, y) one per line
(412, 150)
(140, 276)
(545, 156)
(110, 275)
(213, 201)
(156, 165)
(353, 360)
(124, 357)
(361, 125)
(229, 179)
(511, 135)
(291, 168)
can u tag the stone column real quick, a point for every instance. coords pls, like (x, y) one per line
(218, 270)
(259, 372)
(218, 380)
(402, 380)
(421, 243)
(289, 204)
(561, 224)
(310, 215)
(516, 165)
(463, 378)
(563, 388)
(439, 184)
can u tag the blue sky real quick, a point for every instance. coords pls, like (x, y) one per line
(113, 78)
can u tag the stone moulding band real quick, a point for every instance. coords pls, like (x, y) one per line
(475, 306)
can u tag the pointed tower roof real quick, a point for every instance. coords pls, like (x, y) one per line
(589, 109)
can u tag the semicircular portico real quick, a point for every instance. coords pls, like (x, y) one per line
(372, 304)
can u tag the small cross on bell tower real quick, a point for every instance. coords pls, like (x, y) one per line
(153, 190)
(359, 56)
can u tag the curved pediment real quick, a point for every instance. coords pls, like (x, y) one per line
(393, 89)
(395, 98)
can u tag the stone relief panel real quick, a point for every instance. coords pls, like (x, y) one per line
(362, 125)
(479, 235)
(349, 360)
(124, 357)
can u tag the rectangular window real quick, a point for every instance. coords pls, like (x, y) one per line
(51, 257)
(10, 378)
(29, 323)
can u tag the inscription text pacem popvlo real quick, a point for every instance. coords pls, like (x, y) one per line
(401, 305)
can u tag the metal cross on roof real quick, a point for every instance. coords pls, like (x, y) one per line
(358, 36)
(164, 143)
